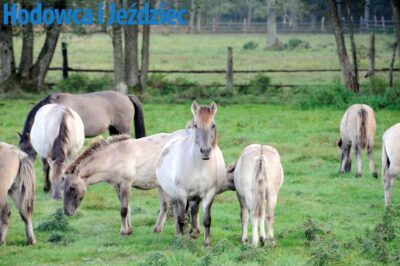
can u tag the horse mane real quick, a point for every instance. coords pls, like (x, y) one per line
(25, 136)
(204, 115)
(59, 149)
(95, 147)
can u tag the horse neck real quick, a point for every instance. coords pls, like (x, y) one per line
(88, 169)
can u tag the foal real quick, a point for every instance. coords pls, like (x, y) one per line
(390, 160)
(17, 179)
(258, 176)
(357, 132)
(122, 162)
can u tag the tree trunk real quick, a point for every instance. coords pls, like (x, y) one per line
(371, 56)
(7, 61)
(118, 56)
(131, 51)
(145, 57)
(348, 76)
(396, 21)
(313, 23)
(366, 13)
(191, 16)
(272, 38)
(41, 66)
(249, 13)
(26, 61)
(353, 46)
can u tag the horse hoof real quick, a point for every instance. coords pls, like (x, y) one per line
(126, 233)
(207, 243)
(194, 233)
(358, 175)
(271, 242)
(262, 241)
(156, 230)
(46, 189)
(31, 242)
(375, 175)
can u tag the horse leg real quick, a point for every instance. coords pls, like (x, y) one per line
(358, 158)
(347, 167)
(262, 224)
(25, 208)
(370, 150)
(179, 207)
(164, 205)
(254, 220)
(244, 217)
(46, 170)
(195, 231)
(388, 181)
(272, 198)
(4, 216)
(123, 191)
(207, 203)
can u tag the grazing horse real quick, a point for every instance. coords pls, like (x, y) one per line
(357, 132)
(191, 167)
(17, 179)
(390, 160)
(57, 135)
(258, 176)
(99, 111)
(122, 162)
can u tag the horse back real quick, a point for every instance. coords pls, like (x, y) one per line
(9, 165)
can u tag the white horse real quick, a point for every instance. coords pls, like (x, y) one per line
(258, 176)
(57, 135)
(191, 167)
(390, 160)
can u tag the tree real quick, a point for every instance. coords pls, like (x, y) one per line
(348, 75)
(30, 75)
(272, 37)
(396, 21)
(120, 83)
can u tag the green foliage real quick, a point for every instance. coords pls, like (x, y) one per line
(59, 238)
(248, 253)
(311, 230)
(295, 43)
(56, 222)
(250, 46)
(259, 84)
(77, 83)
(325, 251)
(154, 259)
(375, 243)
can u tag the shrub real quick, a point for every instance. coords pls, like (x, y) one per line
(57, 222)
(296, 43)
(311, 230)
(325, 250)
(154, 259)
(82, 83)
(249, 46)
(259, 84)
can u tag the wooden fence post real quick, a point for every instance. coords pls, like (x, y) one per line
(214, 26)
(65, 67)
(244, 25)
(371, 56)
(323, 24)
(383, 24)
(229, 69)
(392, 65)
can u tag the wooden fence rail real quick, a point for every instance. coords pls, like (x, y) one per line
(229, 71)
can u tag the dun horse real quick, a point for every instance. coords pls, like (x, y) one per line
(258, 176)
(390, 160)
(57, 136)
(191, 167)
(357, 132)
(99, 111)
(122, 162)
(17, 179)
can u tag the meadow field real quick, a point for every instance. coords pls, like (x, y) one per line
(321, 217)
(208, 52)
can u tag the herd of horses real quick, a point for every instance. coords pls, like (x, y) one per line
(186, 167)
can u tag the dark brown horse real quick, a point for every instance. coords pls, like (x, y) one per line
(99, 111)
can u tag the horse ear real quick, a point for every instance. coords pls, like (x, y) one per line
(213, 107)
(195, 107)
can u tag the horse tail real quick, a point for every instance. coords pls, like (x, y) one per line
(27, 174)
(25, 140)
(362, 128)
(385, 160)
(260, 180)
(140, 131)
(60, 145)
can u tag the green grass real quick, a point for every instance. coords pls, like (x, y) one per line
(343, 206)
(198, 52)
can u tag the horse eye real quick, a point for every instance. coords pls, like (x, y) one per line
(195, 125)
(213, 126)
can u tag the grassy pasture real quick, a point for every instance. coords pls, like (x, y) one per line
(202, 52)
(306, 140)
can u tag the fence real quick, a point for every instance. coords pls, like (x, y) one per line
(229, 71)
